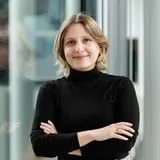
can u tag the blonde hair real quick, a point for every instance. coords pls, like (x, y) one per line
(93, 29)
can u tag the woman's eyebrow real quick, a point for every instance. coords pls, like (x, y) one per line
(76, 37)
(69, 38)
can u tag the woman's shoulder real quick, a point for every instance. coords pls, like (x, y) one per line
(52, 84)
(117, 79)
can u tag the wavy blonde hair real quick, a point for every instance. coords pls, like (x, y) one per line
(93, 29)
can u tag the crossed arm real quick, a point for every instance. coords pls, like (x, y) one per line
(48, 143)
(117, 130)
(49, 128)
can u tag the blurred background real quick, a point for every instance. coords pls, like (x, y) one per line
(27, 33)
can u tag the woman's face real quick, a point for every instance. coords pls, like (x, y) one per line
(80, 49)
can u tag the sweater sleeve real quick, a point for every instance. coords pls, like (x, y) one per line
(127, 110)
(49, 145)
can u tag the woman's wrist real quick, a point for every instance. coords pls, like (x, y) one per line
(85, 137)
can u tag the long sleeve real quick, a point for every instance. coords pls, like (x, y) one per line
(49, 145)
(127, 110)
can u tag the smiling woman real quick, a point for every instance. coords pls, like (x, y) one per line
(87, 114)
(80, 49)
(80, 36)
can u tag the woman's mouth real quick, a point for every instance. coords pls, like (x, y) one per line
(80, 57)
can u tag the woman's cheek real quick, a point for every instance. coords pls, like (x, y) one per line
(68, 54)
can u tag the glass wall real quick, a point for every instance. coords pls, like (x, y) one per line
(29, 59)
(4, 80)
(41, 26)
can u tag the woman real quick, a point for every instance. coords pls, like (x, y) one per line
(87, 114)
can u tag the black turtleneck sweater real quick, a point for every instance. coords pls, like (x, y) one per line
(84, 101)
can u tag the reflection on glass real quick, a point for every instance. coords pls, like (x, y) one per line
(4, 50)
(88, 8)
(41, 30)
(4, 80)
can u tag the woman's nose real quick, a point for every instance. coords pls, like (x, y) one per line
(79, 47)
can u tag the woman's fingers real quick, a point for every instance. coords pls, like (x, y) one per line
(46, 132)
(51, 124)
(120, 137)
(48, 128)
(121, 130)
(124, 123)
(47, 125)
(126, 128)
(124, 132)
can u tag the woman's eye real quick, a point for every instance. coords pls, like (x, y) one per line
(70, 42)
(86, 40)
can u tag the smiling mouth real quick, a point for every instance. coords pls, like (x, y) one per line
(78, 57)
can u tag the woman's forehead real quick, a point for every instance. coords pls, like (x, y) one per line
(76, 31)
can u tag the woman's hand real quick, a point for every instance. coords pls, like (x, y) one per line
(116, 130)
(49, 128)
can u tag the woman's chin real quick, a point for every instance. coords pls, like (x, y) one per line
(83, 68)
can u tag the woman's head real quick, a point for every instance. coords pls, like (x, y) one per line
(80, 44)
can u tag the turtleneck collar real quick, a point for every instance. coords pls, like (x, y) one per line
(84, 76)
